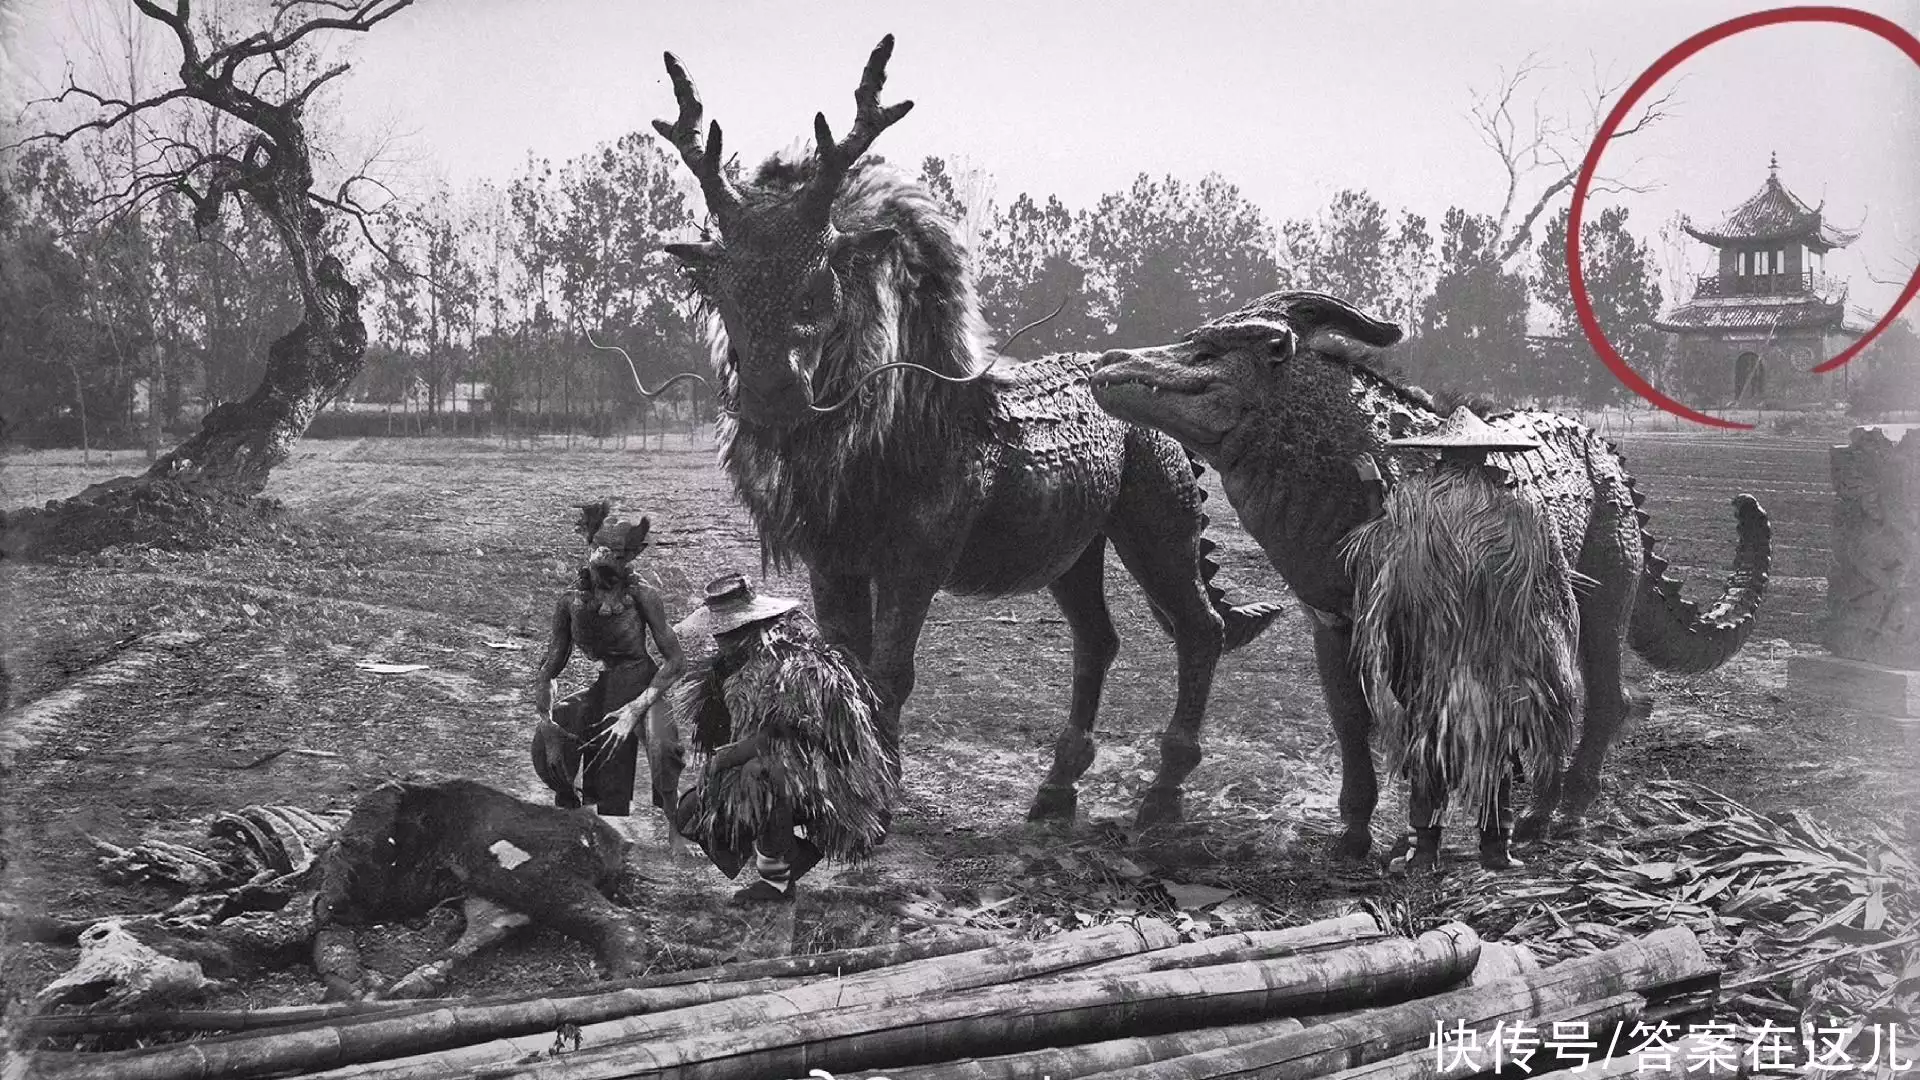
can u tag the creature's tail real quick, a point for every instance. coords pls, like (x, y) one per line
(1671, 632)
(1466, 634)
(1244, 621)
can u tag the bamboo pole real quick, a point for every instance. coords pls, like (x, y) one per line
(1658, 959)
(797, 969)
(437, 1033)
(1031, 1016)
(1064, 1062)
(1247, 945)
(1437, 1061)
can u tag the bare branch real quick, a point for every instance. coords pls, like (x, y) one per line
(360, 17)
(322, 79)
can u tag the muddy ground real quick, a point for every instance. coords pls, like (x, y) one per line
(151, 690)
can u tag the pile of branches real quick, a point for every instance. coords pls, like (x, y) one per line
(1809, 925)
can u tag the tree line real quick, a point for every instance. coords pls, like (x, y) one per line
(500, 285)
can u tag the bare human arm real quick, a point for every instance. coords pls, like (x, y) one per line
(559, 651)
(739, 753)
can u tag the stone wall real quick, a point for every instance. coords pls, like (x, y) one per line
(1873, 587)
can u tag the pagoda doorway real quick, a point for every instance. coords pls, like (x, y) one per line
(1749, 377)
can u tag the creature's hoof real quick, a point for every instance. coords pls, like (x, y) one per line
(1500, 860)
(1054, 802)
(1353, 844)
(1161, 806)
(1531, 829)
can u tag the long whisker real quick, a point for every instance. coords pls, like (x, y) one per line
(876, 372)
(637, 384)
(1042, 321)
(942, 376)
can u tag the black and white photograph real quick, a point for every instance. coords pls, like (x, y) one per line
(588, 539)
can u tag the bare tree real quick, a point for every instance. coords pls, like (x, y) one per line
(1537, 148)
(266, 81)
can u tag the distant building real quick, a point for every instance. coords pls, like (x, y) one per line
(1754, 328)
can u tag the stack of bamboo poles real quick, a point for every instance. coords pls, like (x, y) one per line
(1338, 997)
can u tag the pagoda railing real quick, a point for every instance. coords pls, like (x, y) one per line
(1805, 282)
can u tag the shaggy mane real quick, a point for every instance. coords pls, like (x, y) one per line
(914, 302)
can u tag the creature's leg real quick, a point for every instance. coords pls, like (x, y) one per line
(567, 902)
(594, 787)
(1155, 532)
(569, 715)
(1426, 809)
(900, 613)
(843, 609)
(1353, 727)
(1082, 595)
(486, 924)
(1610, 556)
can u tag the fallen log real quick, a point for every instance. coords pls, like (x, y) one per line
(599, 1017)
(1457, 1059)
(1660, 959)
(797, 969)
(1247, 945)
(1032, 1016)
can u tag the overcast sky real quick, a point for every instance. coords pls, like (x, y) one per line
(1290, 100)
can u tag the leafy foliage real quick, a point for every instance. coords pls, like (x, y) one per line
(1801, 917)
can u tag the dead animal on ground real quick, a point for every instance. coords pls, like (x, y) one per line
(408, 846)
(874, 439)
(1289, 399)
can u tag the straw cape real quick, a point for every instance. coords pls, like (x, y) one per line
(1466, 630)
(822, 719)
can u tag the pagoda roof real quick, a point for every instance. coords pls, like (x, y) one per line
(1757, 313)
(1774, 213)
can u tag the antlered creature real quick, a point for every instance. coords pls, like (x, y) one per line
(1284, 397)
(977, 481)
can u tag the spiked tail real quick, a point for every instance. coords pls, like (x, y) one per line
(1671, 632)
(1244, 622)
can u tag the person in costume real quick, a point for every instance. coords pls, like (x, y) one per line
(583, 746)
(794, 767)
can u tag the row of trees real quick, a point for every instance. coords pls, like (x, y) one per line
(501, 284)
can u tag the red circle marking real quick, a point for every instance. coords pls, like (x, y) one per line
(1576, 275)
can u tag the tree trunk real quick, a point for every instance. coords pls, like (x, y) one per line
(80, 404)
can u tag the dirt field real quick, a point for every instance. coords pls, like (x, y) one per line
(147, 689)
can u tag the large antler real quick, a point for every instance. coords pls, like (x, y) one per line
(869, 120)
(684, 134)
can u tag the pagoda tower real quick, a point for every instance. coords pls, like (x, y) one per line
(1769, 314)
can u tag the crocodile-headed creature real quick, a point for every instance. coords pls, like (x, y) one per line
(1287, 398)
(976, 480)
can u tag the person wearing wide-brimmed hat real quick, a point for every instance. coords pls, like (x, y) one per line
(583, 747)
(789, 727)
